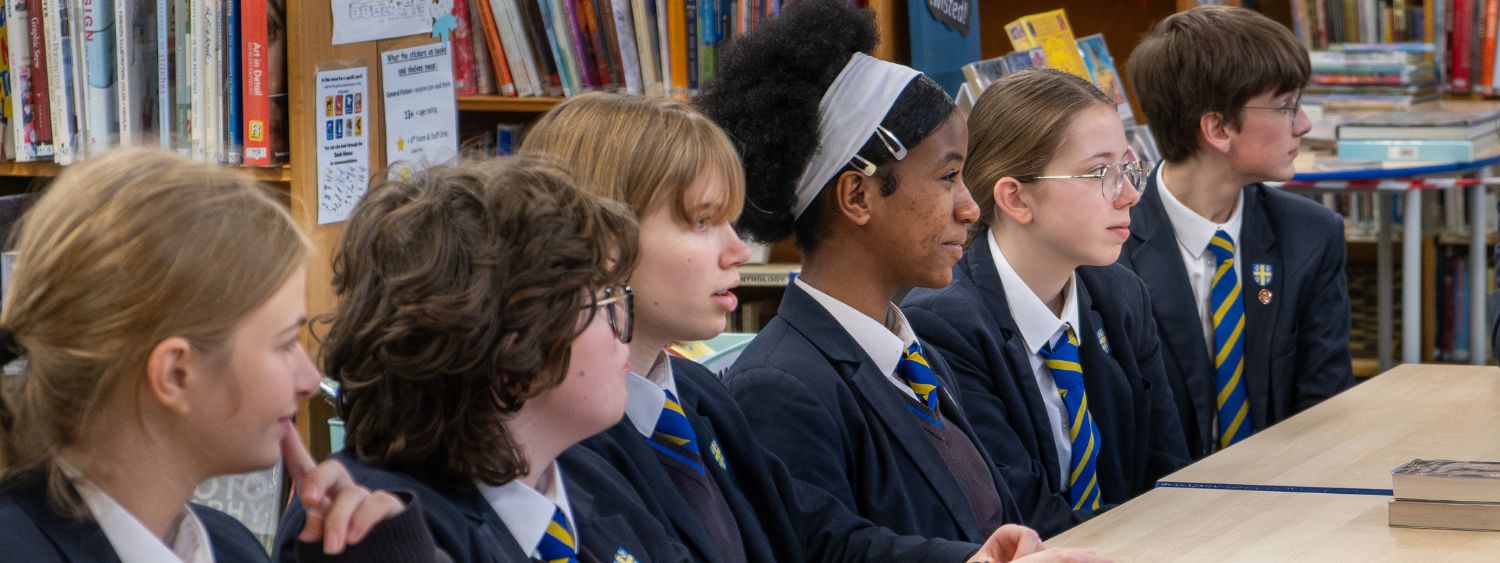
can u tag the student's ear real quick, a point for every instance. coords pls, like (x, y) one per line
(853, 193)
(171, 373)
(1216, 131)
(1011, 200)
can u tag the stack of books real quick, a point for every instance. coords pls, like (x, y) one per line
(1454, 495)
(1372, 77)
(1452, 131)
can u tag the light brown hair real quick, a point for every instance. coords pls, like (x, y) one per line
(647, 152)
(460, 290)
(1211, 59)
(123, 251)
(1016, 128)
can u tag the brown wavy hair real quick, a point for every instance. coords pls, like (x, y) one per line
(460, 289)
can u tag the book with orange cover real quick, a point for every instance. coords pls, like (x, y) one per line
(503, 80)
(677, 44)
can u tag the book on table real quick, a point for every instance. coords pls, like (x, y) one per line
(1439, 493)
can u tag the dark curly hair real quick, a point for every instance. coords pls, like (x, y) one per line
(460, 290)
(766, 96)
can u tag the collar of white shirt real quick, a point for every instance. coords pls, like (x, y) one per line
(643, 394)
(527, 512)
(1193, 230)
(1038, 325)
(134, 543)
(883, 343)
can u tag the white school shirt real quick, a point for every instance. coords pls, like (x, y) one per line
(883, 343)
(526, 512)
(643, 394)
(1194, 232)
(1039, 328)
(132, 541)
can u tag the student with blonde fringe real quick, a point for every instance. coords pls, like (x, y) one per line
(685, 445)
(158, 305)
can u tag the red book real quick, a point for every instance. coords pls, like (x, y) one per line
(41, 109)
(265, 120)
(1461, 40)
(462, 48)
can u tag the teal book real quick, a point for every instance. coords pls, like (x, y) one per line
(944, 38)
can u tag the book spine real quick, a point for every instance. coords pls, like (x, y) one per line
(515, 57)
(567, 64)
(559, 57)
(40, 91)
(234, 92)
(125, 20)
(603, 22)
(645, 43)
(1462, 37)
(212, 74)
(630, 61)
(462, 50)
(8, 114)
(255, 30)
(596, 54)
(516, 21)
(691, 41)
(587, 74)
(103, 103)
(534, 26)
(677, 40)
(23, 123)
(1413, 151)
(484, 74)
(165, 98)
(663, 46)
(506, 84)
(59, 68)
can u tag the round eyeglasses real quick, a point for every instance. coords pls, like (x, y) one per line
(619, 311)
(1290, 110)
(1112, 178)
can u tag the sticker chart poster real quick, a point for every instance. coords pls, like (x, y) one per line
(421, 116)
(369, 20)
(343, 142)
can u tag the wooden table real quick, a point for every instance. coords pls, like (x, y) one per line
(1350, 442)
(1213, 525)
(1356, 438)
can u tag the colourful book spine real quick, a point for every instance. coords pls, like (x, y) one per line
(8, 114)
(504, 80)
(41, 107)
(676, 40)
(102, 99)
(462, 51)
(59, 79)
(257, 101)
(588, 75)
(1463, 35)
(23, 122)
(484, 74)
(234, 93)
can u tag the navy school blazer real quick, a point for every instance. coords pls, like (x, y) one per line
(819, 404)
(31, 531)
(971, 324)
(610, 521)
(780, 519)
(1296, 339)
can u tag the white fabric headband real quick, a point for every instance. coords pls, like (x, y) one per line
(851, 110)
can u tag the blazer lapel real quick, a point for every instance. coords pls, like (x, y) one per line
(804, 314)
(1158, 261)
(81, 542)
(1260, 278)
(986, 280)
(1101, 373)
(499, 542)
(682, 516)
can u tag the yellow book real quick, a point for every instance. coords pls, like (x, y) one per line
(1051, 32)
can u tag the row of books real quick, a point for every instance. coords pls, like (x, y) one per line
(1450, 131)
(1320, 23)
(1364, 76)
(203, 77)
(1046, 40)
(564, 47)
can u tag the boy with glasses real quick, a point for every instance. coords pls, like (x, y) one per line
(1052, 343)
(1247, 281)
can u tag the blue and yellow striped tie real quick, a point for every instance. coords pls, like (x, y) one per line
(1083, 479)
(1229, 346)
(674, 435)
(557, 545)
(917, 373)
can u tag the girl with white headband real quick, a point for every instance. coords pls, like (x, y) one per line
(862, 160)
(1054, 345)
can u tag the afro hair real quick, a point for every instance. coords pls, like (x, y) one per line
(766, 96)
